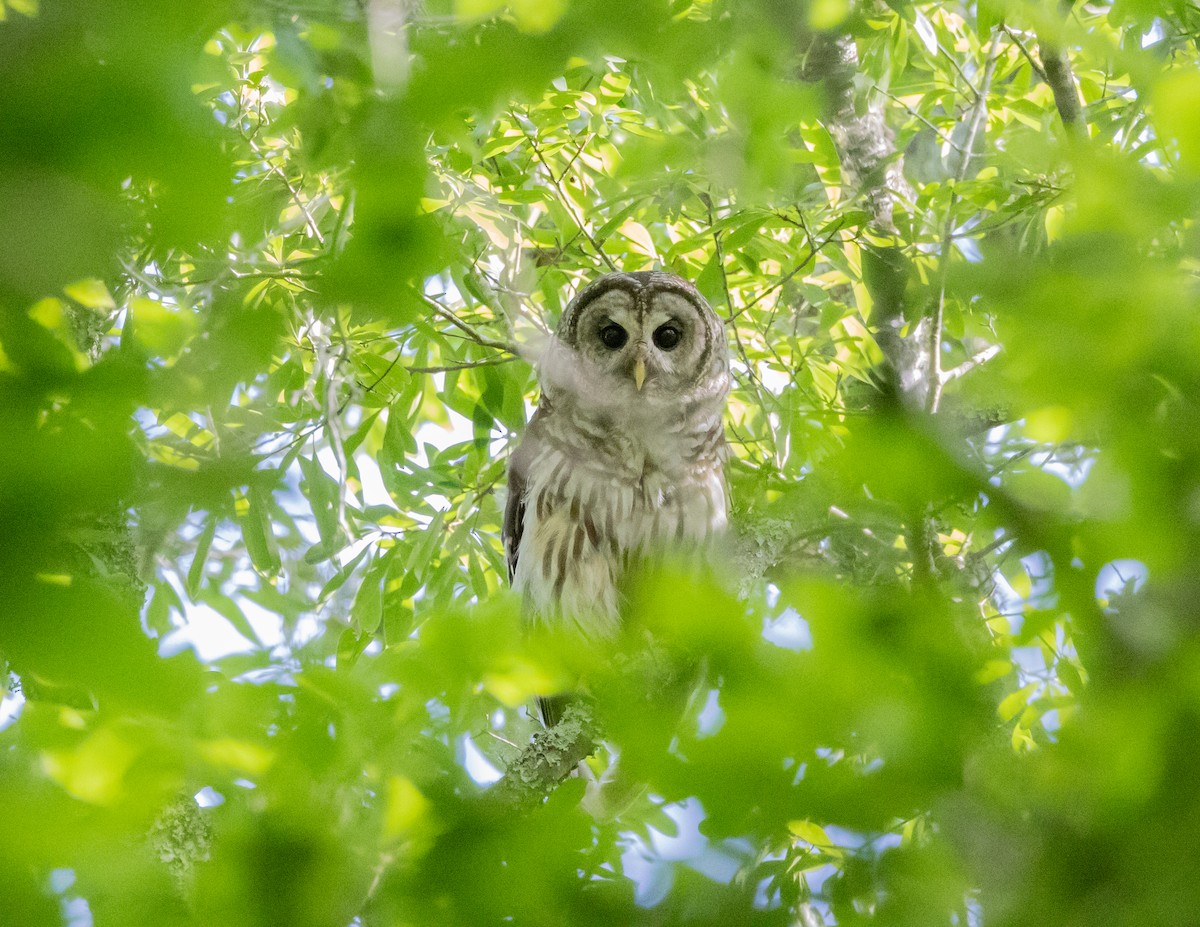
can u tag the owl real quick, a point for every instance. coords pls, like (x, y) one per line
(624, 456)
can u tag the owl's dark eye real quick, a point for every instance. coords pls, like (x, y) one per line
(613, 336)
(667, 336)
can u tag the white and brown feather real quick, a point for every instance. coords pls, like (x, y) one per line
(607, 473)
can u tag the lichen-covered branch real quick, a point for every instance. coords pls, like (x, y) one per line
(550, 757)
(181, 837)
(870, 163)
(872, 168)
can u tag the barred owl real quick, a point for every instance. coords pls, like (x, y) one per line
(624, 456)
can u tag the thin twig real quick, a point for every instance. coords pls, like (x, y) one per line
(575, 157)
(468, 330)
(515, 301)
(961, 73)
(562, 197)
(994, 545)
(449, 368)
(916, 115)
(292, 191)
(970, 364)
(294, 276)
(1033, 62)
(718, 253)
(934, 394)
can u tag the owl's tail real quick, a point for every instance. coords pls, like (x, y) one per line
(552, 708)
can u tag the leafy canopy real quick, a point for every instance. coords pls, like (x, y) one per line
(272, 276)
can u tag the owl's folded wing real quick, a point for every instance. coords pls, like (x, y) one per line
(514, 509)
(518, 485)
(514, 517)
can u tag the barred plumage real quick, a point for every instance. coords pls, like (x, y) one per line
(624, 456)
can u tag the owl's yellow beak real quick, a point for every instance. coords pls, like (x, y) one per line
(639, 372)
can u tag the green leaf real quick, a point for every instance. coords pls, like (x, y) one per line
(711, 282)
(255, 521)
(367, 610)
(339, 578)
(350, 647)
(195, 574)
(91, 294)
(158, 328)
(321, 492)
(1175, 101)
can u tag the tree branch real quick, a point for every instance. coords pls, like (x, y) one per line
(865, 143)
(550, 757)
(468, 330)
(1029, 56)
(970, 364)
(871, 164)
(1061, 78)
(1056, 72)
(933, 396)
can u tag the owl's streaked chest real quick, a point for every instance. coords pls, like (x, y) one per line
(595, 503)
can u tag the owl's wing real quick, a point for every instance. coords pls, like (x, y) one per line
(514, 514)
(514, 509)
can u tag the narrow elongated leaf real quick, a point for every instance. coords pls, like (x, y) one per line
(195, 574)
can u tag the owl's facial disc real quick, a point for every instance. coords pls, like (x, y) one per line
(636, 346)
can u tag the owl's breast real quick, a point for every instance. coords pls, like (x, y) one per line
(588, 517)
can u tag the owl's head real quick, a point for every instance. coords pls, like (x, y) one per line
(647, 338)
